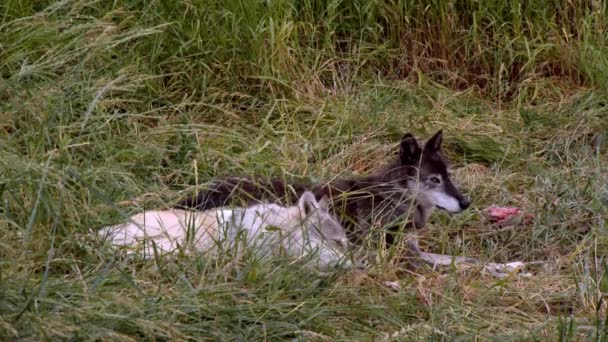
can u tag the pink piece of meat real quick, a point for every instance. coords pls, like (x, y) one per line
(498, 214)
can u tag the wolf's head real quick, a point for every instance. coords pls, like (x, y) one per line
(428, 169)
(320, 223)
(322, 230)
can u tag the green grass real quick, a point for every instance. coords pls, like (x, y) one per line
(110, 107)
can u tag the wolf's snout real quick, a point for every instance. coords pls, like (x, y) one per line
(464, 203)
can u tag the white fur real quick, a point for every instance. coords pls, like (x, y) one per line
(441, 199)
(167, 230)
(305, 230)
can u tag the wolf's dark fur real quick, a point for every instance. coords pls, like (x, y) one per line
(378, 199)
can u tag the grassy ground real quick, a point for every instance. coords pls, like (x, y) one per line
(107, 108)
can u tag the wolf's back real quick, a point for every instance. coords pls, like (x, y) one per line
(234, 191)
(167, 230)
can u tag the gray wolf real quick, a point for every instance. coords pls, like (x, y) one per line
(401, 195)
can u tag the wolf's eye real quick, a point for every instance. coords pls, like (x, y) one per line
(435, 180)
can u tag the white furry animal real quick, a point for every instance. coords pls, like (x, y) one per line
(305, 230)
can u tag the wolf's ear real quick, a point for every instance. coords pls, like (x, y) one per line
(434, 143)
(324, 203)
(308, 203)
(409, 149)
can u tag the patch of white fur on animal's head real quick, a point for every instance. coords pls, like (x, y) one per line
(320, 222)
(444, 201)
